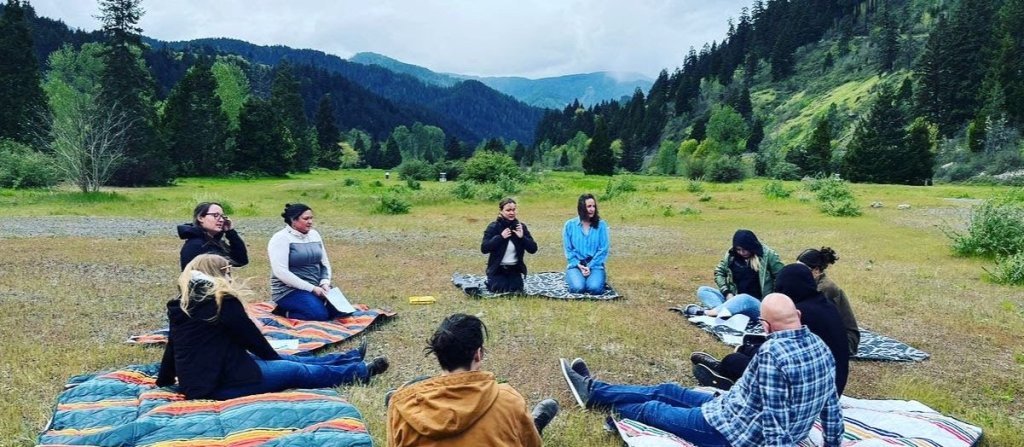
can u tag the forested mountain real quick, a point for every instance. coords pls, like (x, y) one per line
(484, 114)
(553, 93)
(865, 88)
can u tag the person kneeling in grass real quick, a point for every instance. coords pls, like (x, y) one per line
(217, 352)
(463, 406)
(789, 383)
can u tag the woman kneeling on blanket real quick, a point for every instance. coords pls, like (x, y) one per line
(505, 240)
(586, 244)
(217, 352)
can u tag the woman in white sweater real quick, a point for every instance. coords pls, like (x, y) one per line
(300, 271)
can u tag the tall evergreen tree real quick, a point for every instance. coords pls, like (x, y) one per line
(918, 157)
(494, 145)
(392, 156)
(599, 159)
(887, 39)
(632, 155)
(819, 149)
(1006, 78)
(452, 148)
(21, 96)
(756, 136)
(360, 147)
(328, 135)
(877, 141)
(265, 145)
(194, 125)
(127, 87)
(374, 155)
(286, 99)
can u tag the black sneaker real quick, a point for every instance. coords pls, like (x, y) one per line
(377, 366)
(693, 310)
(363, 344)
(580, 367)
(543, 413)
(709, 377)
(703, 358)
(579, 386)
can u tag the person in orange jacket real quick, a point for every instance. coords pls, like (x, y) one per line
(463, 406)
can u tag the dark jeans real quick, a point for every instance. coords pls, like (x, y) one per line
(303, 305)
(506, 279)
(294, 371)
(667, 406)
(733, 365)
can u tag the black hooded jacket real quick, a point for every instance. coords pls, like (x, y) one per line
(818, 314)
(197, 242)
(495, 245)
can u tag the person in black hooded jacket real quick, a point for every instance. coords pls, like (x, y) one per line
(207, 233)
(505, 241)
(816, 312)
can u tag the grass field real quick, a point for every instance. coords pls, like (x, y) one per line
(68, 302)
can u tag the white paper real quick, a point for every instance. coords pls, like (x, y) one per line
(283, 344)
(339, 301)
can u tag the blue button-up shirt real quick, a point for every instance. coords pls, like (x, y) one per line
(789, 382)
(579, 246)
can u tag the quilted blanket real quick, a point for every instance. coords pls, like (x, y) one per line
(125, 408)
(304, 336)
(868, 423)
(548, 284)
(872, 346)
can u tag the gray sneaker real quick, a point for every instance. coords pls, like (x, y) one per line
(693, 310)
(579, 386)
(543, 413)
(580, 367)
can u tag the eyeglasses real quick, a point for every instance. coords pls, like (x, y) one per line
(766, 323)
(216, 216)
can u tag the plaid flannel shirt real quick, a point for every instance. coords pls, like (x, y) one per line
(789, 382)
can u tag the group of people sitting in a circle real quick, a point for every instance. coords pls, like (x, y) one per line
(770, 390)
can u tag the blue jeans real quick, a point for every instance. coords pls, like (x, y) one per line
(577, 283)
(743, 303)
(302, 372)
(303, 305)
(667, 406)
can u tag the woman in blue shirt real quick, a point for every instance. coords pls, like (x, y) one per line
(585, 239)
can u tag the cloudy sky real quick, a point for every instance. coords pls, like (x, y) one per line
(532, 38)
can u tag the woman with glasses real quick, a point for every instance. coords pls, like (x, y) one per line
(746, 273)
(300, 271)
(216, 352)
(212, 232)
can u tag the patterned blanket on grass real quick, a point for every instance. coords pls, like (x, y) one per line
(872, 346)
(310, 335)
(868, 423)
(125, 408)
(549, 284)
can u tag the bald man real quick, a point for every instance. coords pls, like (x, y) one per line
(789, 383)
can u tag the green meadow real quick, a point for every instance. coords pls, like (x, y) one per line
(69, 299)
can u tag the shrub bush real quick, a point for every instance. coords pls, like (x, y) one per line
(840, 208)
(615, 188)
(834, 196)
(695, 186)
(22, 167)
(465, 190)
(1009, 270)
(996, 229)
(705, 197)
(413, 184)
(775, 190)
(392, 204)
(725, 169)
(489, 167)
(416, 170)
(452, 169)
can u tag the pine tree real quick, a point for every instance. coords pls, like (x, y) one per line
(756, 135)
(21, 97)
(452, 148)
(194, 124)
(599, 159)
(887, 40)
(286, 99)
(265, 145)
(360, 147)
(874, 149)
(374, 156)
(919, 156)
(632, 156)
(819, 149)
(127, 87)
(328, 135)
(699, 130)
(392, 156)
(494, 145)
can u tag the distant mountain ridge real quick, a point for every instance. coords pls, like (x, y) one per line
(551, 93)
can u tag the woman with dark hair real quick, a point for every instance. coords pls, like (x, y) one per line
(216, 352)
(300, 271)
(585, 240)
(206, 234)
(505, 240)
(818, 261)
(746, 273)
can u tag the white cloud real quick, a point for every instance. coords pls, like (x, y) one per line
(530, 38)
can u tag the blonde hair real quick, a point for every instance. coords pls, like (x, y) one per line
(206, 276)
(755, 262)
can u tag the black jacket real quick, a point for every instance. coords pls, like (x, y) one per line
(208, 355)
(495, 245)
(819, 315)
(197, 242)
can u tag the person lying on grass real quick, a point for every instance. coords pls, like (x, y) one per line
(789, 383)
(505, 241)
(816, 312)
(216, 352)
(746, 273)
(464, 406)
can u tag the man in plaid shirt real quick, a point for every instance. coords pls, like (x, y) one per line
(789, 382)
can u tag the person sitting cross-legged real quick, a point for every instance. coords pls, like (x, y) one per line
(790, 382)
(464, 406)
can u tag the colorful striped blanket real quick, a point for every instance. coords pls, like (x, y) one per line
(868, 423)
(310, 335)
(125, 408)
(547, 284)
